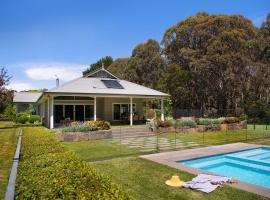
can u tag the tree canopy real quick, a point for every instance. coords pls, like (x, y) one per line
(214, 51)
(106, 62)
(146, 64)
(119, 68)
(5, 94)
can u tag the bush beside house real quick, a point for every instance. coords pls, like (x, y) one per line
(26, 119)
(47, 171)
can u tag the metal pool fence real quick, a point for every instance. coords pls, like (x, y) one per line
(141, 140)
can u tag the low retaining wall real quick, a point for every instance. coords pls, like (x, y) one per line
(203, 128)
(84, 136)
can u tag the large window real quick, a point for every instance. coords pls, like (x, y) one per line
(69, 112)
(121, 111)
(89, 112)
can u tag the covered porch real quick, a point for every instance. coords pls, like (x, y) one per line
(60, 110)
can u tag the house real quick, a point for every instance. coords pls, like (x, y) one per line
(99, 95)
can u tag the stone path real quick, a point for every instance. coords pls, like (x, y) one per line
(149, 143)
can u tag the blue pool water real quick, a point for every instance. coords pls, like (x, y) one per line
(252, 166)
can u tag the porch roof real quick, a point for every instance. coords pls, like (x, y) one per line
(26, 97)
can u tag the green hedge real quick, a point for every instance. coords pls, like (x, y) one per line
(25, 117)
(47, 171)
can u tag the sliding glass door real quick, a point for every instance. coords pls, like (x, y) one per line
(121, 111)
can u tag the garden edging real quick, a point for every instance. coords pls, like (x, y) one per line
(84, 136)
(203, 128)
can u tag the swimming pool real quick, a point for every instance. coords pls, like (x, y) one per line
(252, 166)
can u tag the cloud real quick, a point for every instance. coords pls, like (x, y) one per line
(19, 86)
(49, 71)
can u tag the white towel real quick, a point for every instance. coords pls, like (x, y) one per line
(206, 182)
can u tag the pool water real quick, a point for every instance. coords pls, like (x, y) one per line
(252, 166)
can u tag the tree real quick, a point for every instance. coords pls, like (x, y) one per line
(119, 68)
(5, 94)
(213, 50)
(146, 64)
(176, 82)
(105, 61)
(259, 87)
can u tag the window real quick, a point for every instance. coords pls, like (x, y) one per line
(121, 111)
(69, 112)
(89, 112)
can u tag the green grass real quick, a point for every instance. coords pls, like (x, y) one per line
(99, 149)
(8, 141)
(144, 180)
(264, 141)
(6, 124)
(219, 137)
(106, 149)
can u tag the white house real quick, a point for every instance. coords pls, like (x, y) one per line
(99, 95)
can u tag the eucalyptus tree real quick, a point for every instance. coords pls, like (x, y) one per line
(213, 50)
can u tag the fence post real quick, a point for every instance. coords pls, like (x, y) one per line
(246, 133)
(157, 142)
(175, 140)
(203, 137)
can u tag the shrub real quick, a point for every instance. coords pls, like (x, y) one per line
(104, 125)
(22, 119)
(76, 123)
(150, 113)
(34, 118)
(77, 128)
(204, 121)
(243, 117)
(98, 125)
(185, 122)
(208, 121)
(87, 126)
(230, 120)
(165, 123)
(47, 171)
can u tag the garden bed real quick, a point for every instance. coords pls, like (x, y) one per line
(84, 136)
(203, 128)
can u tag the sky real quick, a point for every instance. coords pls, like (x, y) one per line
(42, 39)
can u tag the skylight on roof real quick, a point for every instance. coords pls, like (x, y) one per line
(112, 84)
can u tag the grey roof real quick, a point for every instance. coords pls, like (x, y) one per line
(26, 97)
(91, 85)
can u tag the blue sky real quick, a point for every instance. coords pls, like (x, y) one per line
(41, 38)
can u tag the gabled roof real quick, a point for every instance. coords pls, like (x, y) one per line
(26, 97)
(101, 73)
(100, 82)
(91, 85)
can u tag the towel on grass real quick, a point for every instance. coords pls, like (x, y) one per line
(206, 182)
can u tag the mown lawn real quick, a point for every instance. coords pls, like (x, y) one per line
(220, 137)
(144, 180)
(8, 141)
(6, 124)
(106, 149)
(99, 149)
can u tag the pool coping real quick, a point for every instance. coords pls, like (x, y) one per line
(170, 158)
